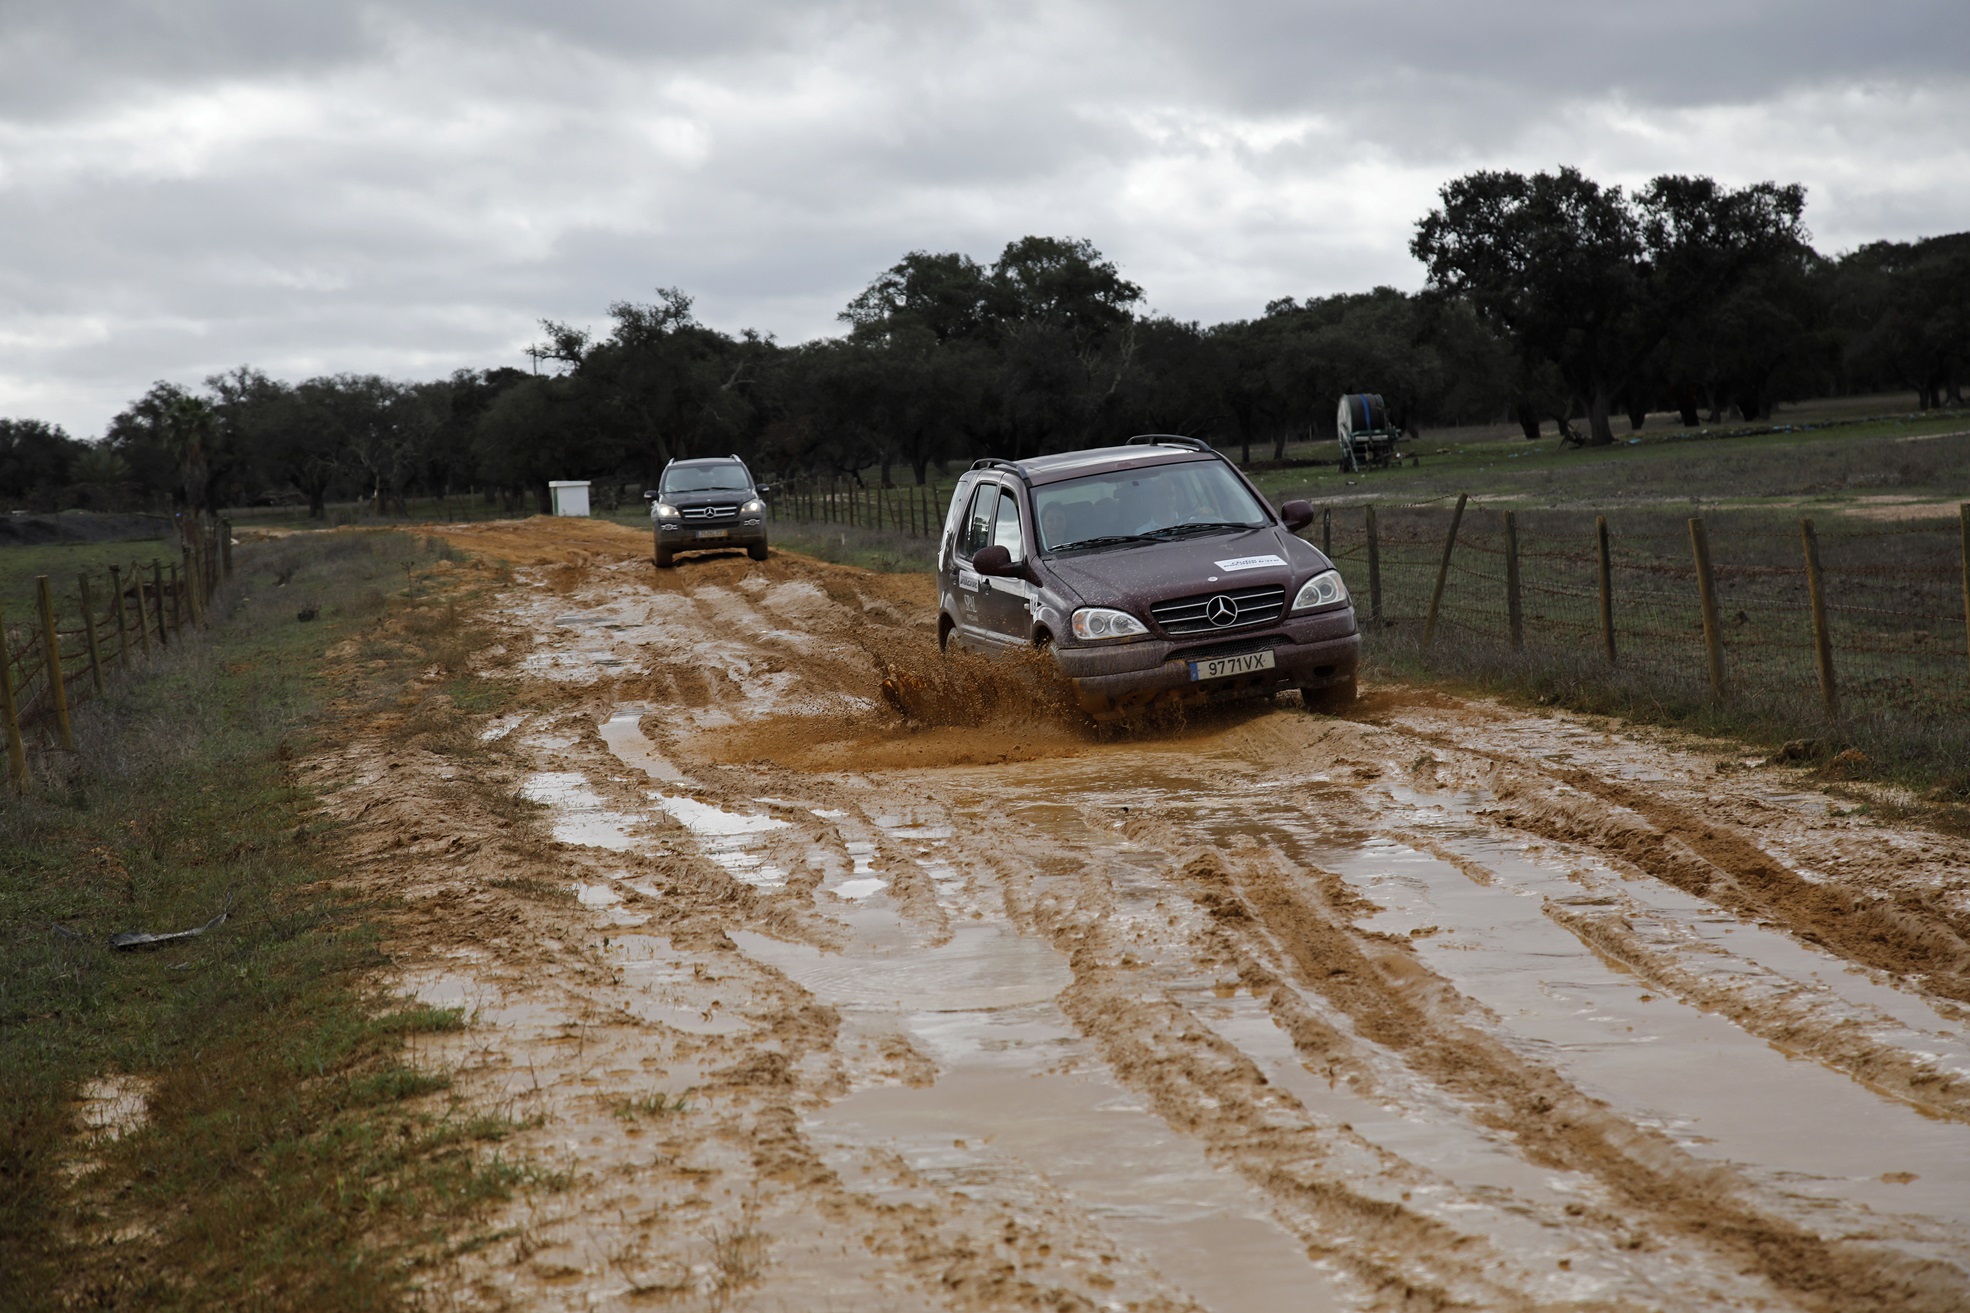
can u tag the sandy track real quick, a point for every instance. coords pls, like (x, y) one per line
(880, 989)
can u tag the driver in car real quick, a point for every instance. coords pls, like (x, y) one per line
(1053, 525)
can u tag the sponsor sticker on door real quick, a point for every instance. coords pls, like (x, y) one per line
(1249, 562)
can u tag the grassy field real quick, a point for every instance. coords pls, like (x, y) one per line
(62, 562)
(1920, 458)
(289, 1158)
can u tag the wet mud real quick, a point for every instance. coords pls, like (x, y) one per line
(823, 971)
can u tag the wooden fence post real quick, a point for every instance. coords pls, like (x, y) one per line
(156, 594)
(1327, 532)
(16, 748)
(1443, 571)
(1963, 515)
(122, 630)
(1607, 586)
(52, 649)
(89, 631)
(1514, 613)
(1706, 592)
(1822, 640)
(188, 585)
(1374, 568)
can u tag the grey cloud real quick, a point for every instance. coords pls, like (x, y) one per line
(434, 176)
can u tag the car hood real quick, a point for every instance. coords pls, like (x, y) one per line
(1135, 578)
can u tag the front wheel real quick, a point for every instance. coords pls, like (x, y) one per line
(664, 559)
(757, 551)
(1331, 700)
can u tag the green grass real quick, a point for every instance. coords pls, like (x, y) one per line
(1830, 467)
(292, 1158)
(885, 550)
(62, 562)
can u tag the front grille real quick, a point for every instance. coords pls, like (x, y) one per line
(1191, 615)
(709, 512)
(1235, 647)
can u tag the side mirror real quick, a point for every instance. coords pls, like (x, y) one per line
(1296, 515)
(995, 561)
(763, 490)
(649, 494)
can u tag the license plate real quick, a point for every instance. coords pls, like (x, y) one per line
(1224, 666)
(713, 533)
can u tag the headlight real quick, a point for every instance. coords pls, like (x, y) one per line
(1324, 589)
(753, 507)
(1093, 623)
(664, 511)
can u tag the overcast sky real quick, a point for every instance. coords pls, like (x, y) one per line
(322, 185)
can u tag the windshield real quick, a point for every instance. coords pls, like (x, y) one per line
(1159, 503)
(726, 477)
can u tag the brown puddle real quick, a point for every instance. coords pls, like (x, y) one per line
(1021, 1108)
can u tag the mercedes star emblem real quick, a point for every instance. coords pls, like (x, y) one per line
(1221, 611)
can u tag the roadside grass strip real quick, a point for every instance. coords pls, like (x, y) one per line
(269, 1143)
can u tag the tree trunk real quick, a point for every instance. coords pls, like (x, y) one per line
(1528, 418)
(1637, 416)
(1687, 412)
(1279, 439)
(1600, 433)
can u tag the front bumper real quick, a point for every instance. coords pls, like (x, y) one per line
(673, 536)
(1311, 651)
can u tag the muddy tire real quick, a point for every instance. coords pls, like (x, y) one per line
(1331, 700)
(757, 551)
(664, 559)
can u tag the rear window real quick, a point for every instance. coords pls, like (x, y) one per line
(1143, 502)
(729, 477)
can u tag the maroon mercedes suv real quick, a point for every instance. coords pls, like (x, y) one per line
(1151, 572)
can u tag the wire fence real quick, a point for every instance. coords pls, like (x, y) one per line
(1838, 619)
(74, 644)
(913, 510)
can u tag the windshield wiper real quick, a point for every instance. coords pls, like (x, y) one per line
(1200, 526)
(1107, 540)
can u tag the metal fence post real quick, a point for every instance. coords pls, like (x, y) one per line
(1607, 586)
(1514, 615)
(1822, 641)
(52, 650)
(1706, 593)
(1374, 568)
(1443, 570)
(89, 631)
(16, 749)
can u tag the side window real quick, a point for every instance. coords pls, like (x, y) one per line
(978, 523)
(1005, 528)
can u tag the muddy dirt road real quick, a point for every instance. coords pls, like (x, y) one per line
(816, 996)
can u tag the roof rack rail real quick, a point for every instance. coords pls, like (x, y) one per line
(996, 463)
(1169, 440)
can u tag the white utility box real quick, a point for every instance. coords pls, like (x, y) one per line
(570, 496)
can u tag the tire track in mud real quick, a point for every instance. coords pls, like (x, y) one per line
(1390, 1000)
(1909, 934)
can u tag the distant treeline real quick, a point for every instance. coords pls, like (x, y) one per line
(1549, 300)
